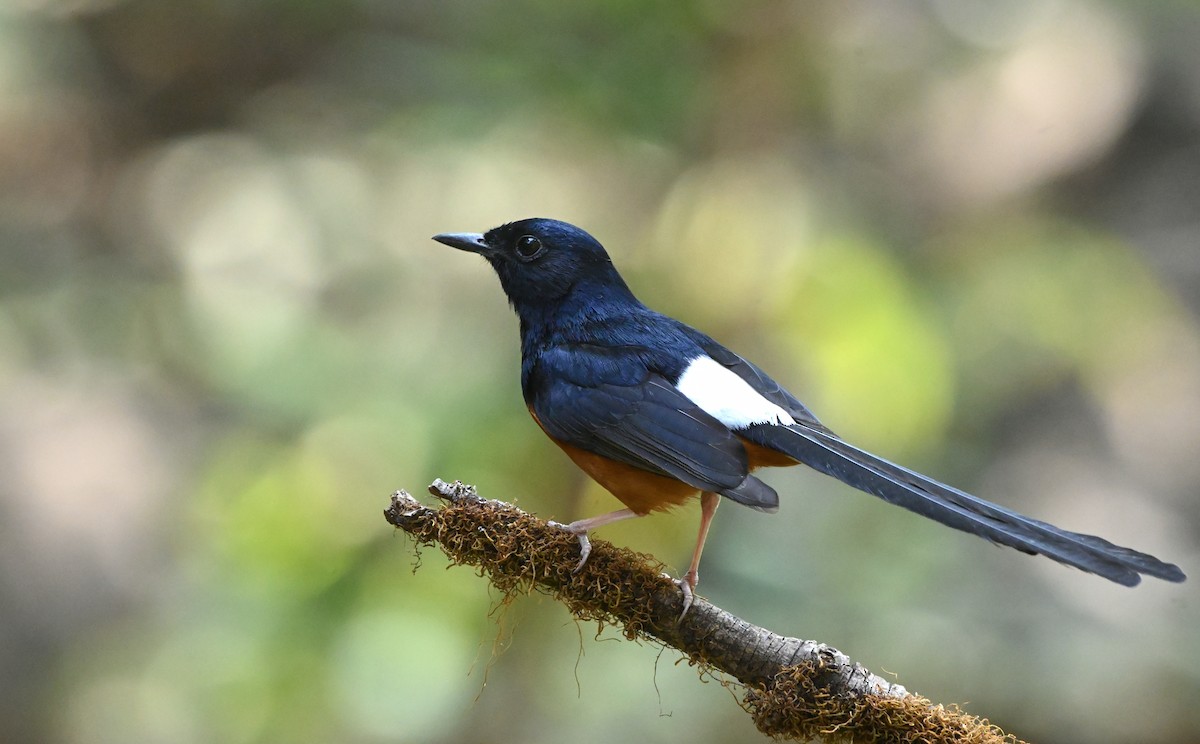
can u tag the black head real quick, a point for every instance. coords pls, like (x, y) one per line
(538, 260)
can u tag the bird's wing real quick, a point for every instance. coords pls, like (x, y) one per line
(608, 402)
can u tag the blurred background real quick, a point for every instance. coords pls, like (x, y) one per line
(967, 233)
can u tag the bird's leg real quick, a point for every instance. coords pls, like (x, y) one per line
(580, 528)
(708, 508)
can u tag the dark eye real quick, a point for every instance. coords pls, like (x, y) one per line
(528, 247)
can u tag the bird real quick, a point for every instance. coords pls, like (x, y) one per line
(658, 413)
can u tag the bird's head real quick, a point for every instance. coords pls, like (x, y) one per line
(539, 260)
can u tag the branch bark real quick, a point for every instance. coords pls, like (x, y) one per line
(793, 688)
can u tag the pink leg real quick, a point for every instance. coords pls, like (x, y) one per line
(582, 526)
(708, 508)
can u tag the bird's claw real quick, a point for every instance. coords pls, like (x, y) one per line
(585, 545)
(585, 549)
(687, 585)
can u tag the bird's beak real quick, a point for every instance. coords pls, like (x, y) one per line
(472, 242)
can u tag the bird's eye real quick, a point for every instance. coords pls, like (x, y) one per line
(529, 247)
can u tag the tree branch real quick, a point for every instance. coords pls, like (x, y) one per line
(794, 689)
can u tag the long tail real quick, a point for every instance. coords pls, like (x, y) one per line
(897, 485)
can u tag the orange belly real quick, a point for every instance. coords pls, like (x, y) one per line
(643, 491)
(640, 490)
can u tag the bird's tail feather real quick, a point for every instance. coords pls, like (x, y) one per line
(903, 487)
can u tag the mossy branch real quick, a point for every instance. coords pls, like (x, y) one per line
(793, 689)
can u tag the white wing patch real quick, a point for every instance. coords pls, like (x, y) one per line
(726, 397)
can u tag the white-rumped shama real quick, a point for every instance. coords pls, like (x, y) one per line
(657, 412)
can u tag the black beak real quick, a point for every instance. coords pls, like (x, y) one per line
(472, 242)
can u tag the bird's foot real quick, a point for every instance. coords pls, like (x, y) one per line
(585, 545)
(687, 585)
